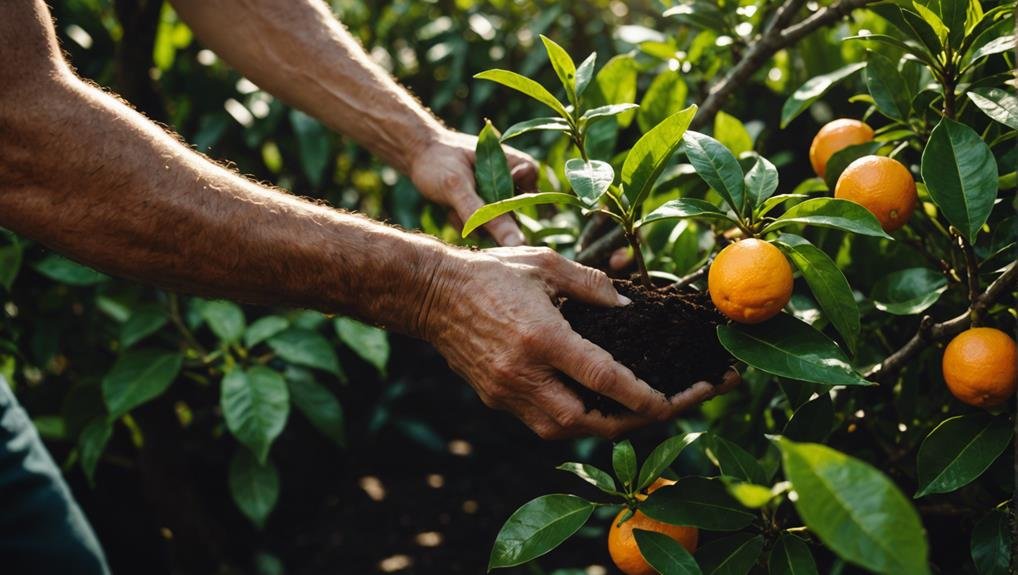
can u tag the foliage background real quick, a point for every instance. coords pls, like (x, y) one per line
(161, 487)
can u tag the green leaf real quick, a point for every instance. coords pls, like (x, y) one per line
(491, 168)
(585, 73)
(606, 111)
(954, 13)
(616, 84)
(960, 175)
(812, 421)
(775, 201)
(589, 179)
(143, 322)
(761, 181)
(1000, 105)
(959, 450)
(855, 509)
(663, 456)
(666, 555)
(367, 341)
(996, 46)
(648, 157)
(909, 291)
(813, 90)
(317, 403)
(732, 134)
(699, 502)
(549, 124)
(65, 271)
(91, 444)
(918, 51)
(829, 286)
(538, 527)
(564, 67)
(887, 86)
(732, 555)
(253, 486)
(313, 142)
(10, 264)
(592, 475)
(301, 346)
(526, 86)
(717, 166)
(624, 464)
(491, 211)
(831, 213)
(933, 20)
(748, 494)
(225, 319)
(138, 376)
(787, 347)
(734, 461)
(255, 405)
(264, 328)
(842, 158)
(665, 96)
(910, 24)
(791, 556)
(991, 544)
(686, 208)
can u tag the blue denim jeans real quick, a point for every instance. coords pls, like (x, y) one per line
(42, 529)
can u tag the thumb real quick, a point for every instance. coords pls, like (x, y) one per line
(586, 284)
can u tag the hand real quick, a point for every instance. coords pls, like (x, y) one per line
(443, 171)
(493, 319)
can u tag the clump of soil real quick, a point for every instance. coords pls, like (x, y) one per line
(667, 337)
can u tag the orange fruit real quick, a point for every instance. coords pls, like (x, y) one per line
(881, 185)
(834, 137)
(622, 545)
(750, 281)
(981, 366)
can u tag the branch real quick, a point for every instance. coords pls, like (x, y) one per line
(929, 331)
(777, 36)
(599, 251)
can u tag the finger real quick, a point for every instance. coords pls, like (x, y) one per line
(595, 369)
(585, 283)
(702, 391)
(503, 228)
(540, 423)
(525, 176)
(566, 410)
(620, 259)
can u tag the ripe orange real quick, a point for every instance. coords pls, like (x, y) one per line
(622, 545)
(834, 137)
(981, 366)
(750, 281)
(881, 185)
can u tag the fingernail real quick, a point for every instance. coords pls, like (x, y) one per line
(512, 240)
(623, 300)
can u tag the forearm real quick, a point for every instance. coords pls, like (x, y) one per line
(89, 177)
(299, 52)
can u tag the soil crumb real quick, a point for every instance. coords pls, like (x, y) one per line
(667, 337)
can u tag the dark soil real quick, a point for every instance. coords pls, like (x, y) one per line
(666, 337)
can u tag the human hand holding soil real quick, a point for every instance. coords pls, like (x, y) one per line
(493, 317)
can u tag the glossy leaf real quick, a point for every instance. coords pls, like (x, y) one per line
(589, 179)
(143, 322)
(255, 404)
(995, 46)
(813, 90)
(591, 474)
(10, 264)
(139, 376)
(855, 509)
(910, 24)
(960, 175)
(624, 464)
(317, 403)
(1000, 105)
(538, 527)
(651, 153)
(665, 96)
(717, 166)
(732, 134)
(699, 502)
(665, 554)
(933, 19)
(791, 556)
(305, 347)
(225, 319)
(991, 544)
(831, 213)
(615, 83)
(549, 124)
(686, 208)
(787, 347)
(761, 181)
(526, 86)
(563, 65)
(959, 450)
(909, 291)
(812, 421)
(663, 456)
(491, 168)
(749, 495)
(263, 328)
(842, 158)
(732, 555)
(734, 461)
(367, 341)
(607, 111)
(254, 487)
(491, 211)
(827, 283)
(887, 87)
(585, 73)
(65, 271)
(91, 444)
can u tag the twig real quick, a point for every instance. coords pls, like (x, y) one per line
(591, 229)
(178, 322)
(929, 331)
(692, 277)
(601, 249)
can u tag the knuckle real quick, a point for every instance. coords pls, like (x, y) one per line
(599, 375)
(545, 431)
(595, 279)
(546, 256)
(567, 418)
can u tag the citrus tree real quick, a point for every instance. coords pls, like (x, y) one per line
(855, 427)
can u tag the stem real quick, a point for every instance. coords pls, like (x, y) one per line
(633, 237)
(178, 322)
